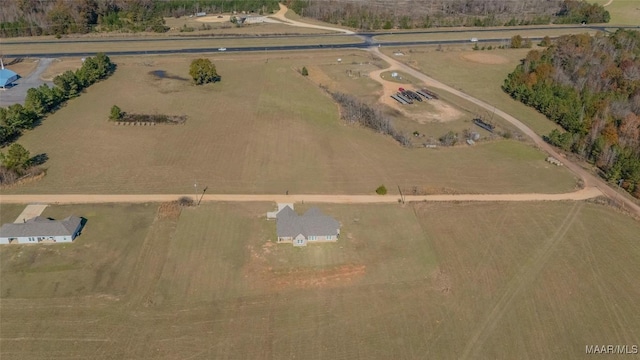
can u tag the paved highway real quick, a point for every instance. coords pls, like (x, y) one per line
(367, 41)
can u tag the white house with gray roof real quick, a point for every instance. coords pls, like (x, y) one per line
(40, 229)
(311, 227)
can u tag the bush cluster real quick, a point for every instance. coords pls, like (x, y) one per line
(355, 111)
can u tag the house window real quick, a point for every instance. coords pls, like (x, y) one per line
(329, 237)
(300, 241)
(312, 238)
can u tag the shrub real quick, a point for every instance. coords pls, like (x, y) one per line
(304, 71)
(116, 113)
(186, 201)
(381, 190)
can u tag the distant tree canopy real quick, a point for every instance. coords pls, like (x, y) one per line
(203, 71)
(50, 17)
(591, 87)
(44, 99)
(386, 14)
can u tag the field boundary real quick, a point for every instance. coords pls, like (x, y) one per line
(582, 194)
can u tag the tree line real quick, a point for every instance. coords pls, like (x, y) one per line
(44, 99)
(354, 111)
(59, 17)
(384, 14)
(590, 86)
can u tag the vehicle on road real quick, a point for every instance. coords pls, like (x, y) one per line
(222, 49)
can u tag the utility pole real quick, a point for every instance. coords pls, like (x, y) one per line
(201, 196)
(401, 196)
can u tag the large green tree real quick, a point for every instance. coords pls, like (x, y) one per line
(203, 71)
(17, 158)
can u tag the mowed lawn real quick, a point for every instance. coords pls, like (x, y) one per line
(263, 129)
(444, 281)
(477, 73)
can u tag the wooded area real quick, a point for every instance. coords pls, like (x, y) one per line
(591, 87)
(59, 17)
(407, 14)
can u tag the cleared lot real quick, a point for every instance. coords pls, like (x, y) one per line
(428, 280)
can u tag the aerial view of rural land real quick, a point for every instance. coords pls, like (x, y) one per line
(319, 179)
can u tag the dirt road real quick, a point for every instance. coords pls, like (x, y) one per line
(587, 177)
(583, 194)
(280, 15)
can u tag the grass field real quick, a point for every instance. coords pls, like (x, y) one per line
(623, 12)
(422, 281)
(478, 73)
(480, 35)
(263, 129)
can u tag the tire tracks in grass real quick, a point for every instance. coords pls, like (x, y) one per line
(520, 281)
(151, 259)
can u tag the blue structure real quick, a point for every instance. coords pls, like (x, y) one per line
(7, 77)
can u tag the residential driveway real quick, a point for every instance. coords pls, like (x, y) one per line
(18, 93)
(30, 212)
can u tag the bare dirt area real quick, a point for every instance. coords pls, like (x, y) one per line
(484, 58)
(438, 110)
(21, 66)
(59, 66)
(214, 19)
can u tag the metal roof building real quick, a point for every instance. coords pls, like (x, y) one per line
(7, 77)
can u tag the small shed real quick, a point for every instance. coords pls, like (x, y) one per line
(7, 77)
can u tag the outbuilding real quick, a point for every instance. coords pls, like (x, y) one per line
(7, 77)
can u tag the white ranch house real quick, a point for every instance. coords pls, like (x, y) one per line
(41, 230)
(311, 227)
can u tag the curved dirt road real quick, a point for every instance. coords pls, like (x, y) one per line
(588, 178)
(280, 15)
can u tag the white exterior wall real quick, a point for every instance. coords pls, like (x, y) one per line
(34, 239)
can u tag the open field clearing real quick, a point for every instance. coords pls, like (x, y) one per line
(478, 73)
(263, 129)
(200, 43)
(623, 12)
(225, 27)
(446, 281)
(480, 35)
(59, 66)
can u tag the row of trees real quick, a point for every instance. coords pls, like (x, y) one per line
(44, 99)
(591, 87)
(354, 111)
(58, 17)
(382, 14)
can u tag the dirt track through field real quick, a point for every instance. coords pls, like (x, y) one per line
(588, 178)
(582, 194)
(527, 274)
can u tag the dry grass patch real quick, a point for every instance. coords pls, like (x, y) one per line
(263, 129)
(485, 58)
(59, 66)
(483, 79)
(436, 280)
(24, 67)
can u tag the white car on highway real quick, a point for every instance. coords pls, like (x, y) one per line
(222, 49)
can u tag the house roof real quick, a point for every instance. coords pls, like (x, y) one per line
(312, 223)
(40, 226)
(7, 77)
